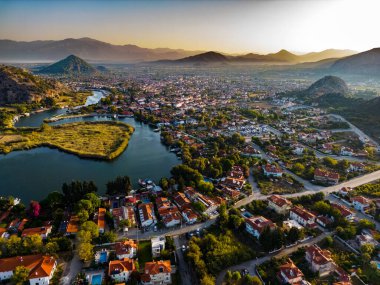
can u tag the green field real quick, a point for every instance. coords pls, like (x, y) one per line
(99, 140)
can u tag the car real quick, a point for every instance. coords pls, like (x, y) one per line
(155, 228)
(244, 272)
(189, 235)
(183, 248)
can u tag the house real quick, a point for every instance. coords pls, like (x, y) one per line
(126, 249)
(346, 151)
(123, 213)
(41, 268)
(182, 201)
(323, 221)
(41, 231)
(364, 238)
(73, 225)
(319, 260)
(289, 273)
(146, 214)
(356, 166)
(279, 204)
(302, 216)
(100, 219)
(288, 224)
(361, 203)
(326, 177)
(346, 213)
(298, 149)
(272, 170)
(120, 270)
(189, 216)
(158, 244)
(157, 272)
(256, 225)
(344, 191)
(168, 212)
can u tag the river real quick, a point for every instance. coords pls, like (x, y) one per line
(32, 174)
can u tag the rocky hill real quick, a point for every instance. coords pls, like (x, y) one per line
(71, 65)
(327, 85)
(20, 86)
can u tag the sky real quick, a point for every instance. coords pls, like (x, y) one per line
(226, 26)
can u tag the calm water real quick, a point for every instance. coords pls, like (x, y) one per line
(34, 173)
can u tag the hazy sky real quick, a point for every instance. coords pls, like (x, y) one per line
(227, 26)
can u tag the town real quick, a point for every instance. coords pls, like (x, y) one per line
(267, 190)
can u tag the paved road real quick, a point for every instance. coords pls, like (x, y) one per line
(75, 267)
(184, 269)
(251, 264)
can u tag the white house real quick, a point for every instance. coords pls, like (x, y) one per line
(41, 268)
(272, 170)
(256, 225)
(126, 249)
(157, 272)
(147, 216)
(158, 244)
(279, 204)
(189, 216)
(120, 270)
(302, 216)
(361, 203)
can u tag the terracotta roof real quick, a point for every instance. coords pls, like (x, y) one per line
(259, 223)
(147, 211)
(39, 265)
(181, 200)
(124, 265)
(342, 209)
(290, 270)
(272, 168)
(124, 247)
(326, 174)
(318, 255)
(101, 218)
(301, 212)
(360, 199)
(279, 201)
(156, 267)
(73, 225)
(35, 231)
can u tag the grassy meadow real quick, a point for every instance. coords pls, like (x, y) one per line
(99, 140)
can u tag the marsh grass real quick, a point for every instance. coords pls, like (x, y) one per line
(98, 140)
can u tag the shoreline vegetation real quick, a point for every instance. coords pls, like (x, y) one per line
(96, 140)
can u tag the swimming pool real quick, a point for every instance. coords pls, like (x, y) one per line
(247, 214)
(96, 279)
(103, 257)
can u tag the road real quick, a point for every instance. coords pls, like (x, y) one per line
(184, 268)
(251, 264)
(74, 268)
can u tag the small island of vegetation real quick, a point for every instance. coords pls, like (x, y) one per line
(98, 140)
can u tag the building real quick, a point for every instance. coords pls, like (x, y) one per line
(319, 260)
(272, 170)
(189, 216)
(356, 166)
(120, 270)
(344, 191)
(73, 225)
(361, 203)
(123, 213)
(182, 201)
(126, 249)
(326, 177)
(146, 214)
(289, 273)
(168, 212)
(101, 219)
(279, 204)
(41, 268)
(363, 239)
(302, 216)
(157, 273)
(256, 225)
(43, 232)
(158, 244)
(346, 212)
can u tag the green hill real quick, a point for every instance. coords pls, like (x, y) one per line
(71, 65)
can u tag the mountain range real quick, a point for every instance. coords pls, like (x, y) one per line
(98, 51)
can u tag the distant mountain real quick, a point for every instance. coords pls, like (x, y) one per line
(206, 57)
(19, 86)
(367, 63)
(327, 85)
(87, 48)
(326, 54)
(284, 55)
(71, 65)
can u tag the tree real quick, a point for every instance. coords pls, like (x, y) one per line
(95, 201)
(83, 216)
(32, 243)
(121, 185)
(84, 236)
(91, 227)
(51, 248)
(85, 251)
(208, 280)
(293, 235)
(20, 275)
(35, 209)
(236, 276)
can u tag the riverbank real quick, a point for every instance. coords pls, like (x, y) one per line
(97, 140)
